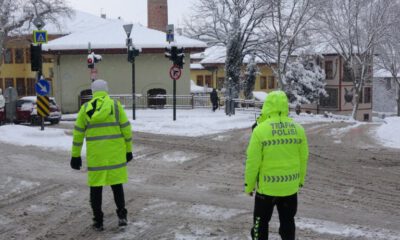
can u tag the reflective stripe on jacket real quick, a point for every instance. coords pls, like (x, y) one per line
(103, 123)
(278, 151)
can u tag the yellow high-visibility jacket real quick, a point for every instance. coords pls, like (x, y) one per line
(103, 123)
(277, 153)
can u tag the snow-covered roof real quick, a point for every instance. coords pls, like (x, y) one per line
(110, 34)
(196, 66)
(217, 55)
(383, 73)
(78, 21)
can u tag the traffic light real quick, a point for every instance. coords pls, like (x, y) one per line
(174, 53)
(36, 58)
(132, 53)
(168, 53)
(180, 58)
(92, 59)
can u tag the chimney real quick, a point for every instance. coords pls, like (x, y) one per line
(157, 14)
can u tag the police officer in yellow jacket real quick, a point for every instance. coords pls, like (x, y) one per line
(276, 167)
(103, 123)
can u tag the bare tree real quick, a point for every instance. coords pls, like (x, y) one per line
(231, 24)
(17, 15)
(388, 58)
(354, 28)
(285, 31)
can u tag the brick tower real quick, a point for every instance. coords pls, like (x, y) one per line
(157, 14)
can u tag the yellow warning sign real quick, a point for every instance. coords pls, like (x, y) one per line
(43, 106)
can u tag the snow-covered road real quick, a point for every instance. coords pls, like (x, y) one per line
(190, 188)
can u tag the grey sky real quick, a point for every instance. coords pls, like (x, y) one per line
(133, 10)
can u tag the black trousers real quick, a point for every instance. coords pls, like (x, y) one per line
(263, 209)
(96, 199)
(214, 106)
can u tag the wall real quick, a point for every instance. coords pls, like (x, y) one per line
(152, 71)
(337, 81)
(385, 95)
(219, 72)
(22, 71)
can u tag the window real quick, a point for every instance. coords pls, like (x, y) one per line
(30, 86)
(332, 99)
(9, 82)
(200, 80)
(28, 55)
(271, 82)
(388, 82)
(8, 57)
(263, 82)
(21, 86)
(19, 55)
(51, 72)
(360, 96)
(347, 73)
(209, 81)
(367, 95)
(50, 81)
(220, 83)
(329, 69)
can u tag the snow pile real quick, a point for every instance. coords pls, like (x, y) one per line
(348, 231)
(260, 96)
(197, 122)
(389, 132)
(198, 89)
(305, 118)
(55, 139)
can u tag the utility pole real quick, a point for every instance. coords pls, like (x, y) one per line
(132, 54)
(41, 86)
(177, 56)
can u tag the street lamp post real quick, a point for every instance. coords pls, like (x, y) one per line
(132, 54)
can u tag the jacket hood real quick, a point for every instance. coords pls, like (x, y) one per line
(99, 108)
(276, 104)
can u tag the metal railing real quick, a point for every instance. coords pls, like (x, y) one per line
(182, 102)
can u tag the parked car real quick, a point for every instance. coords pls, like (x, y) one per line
(27, 112)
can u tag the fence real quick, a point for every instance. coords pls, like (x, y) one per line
(182, 102)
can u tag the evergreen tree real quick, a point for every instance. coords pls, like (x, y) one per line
(305, 81)
(251, 74)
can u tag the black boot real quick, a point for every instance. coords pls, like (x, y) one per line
(122, 220)
(98, 222)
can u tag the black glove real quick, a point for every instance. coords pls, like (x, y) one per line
(129, 156)
(76, 163)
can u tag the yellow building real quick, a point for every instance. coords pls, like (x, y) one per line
(15, 70)
(208, 69)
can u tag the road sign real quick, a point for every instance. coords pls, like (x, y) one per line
(43, 106)
(40, 36)
(42, 87)
(38, 22)
(175, 72)
(170, 33)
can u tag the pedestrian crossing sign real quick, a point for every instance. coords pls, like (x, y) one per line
(40, 36)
